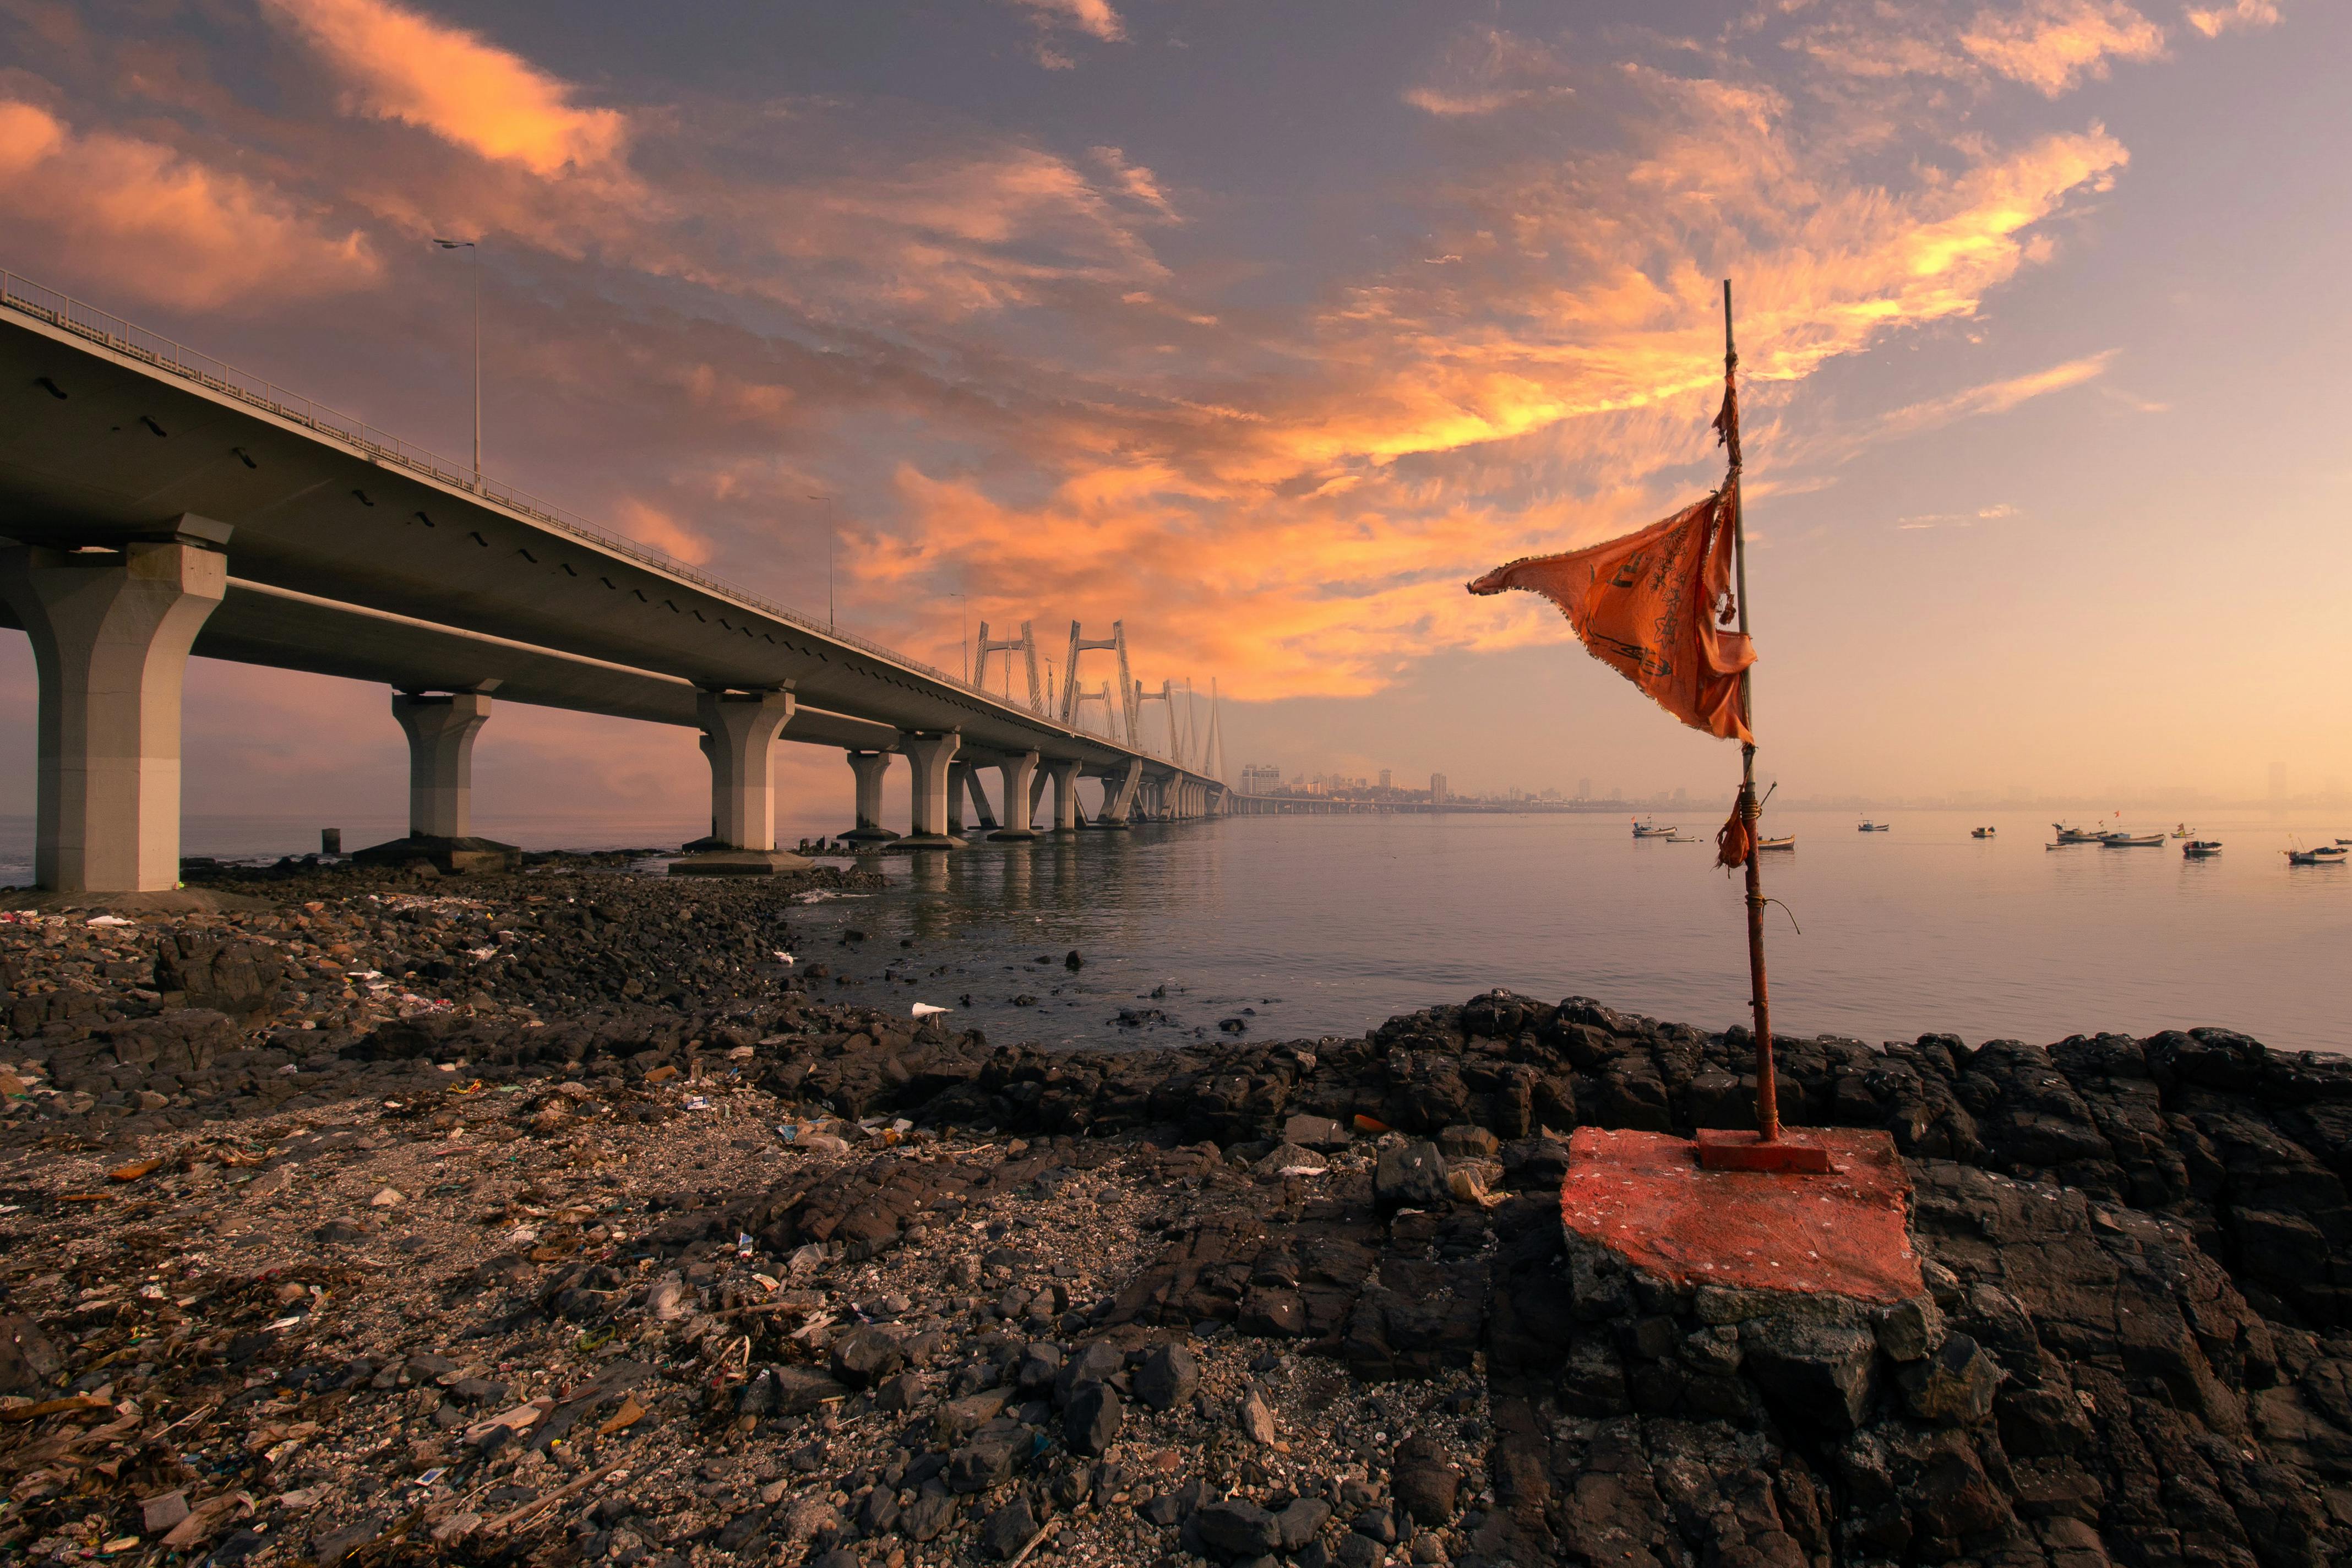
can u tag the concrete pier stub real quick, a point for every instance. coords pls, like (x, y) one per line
(110, 631)
(1018, 768)
(1065, 777)
(872, 768)
(931, 753)
(441, 727)
(739, 732)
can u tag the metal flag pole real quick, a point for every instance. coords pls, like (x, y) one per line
(1767, 1099)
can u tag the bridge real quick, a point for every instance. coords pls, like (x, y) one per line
(156, 503)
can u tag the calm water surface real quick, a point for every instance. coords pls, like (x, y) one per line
(1328, 925)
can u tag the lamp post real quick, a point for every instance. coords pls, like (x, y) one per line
(828, 559)
(475, 247)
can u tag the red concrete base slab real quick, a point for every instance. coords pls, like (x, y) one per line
(1720, 1149)
(1645, 1197)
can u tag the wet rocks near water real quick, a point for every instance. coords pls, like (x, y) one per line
(720, 1269)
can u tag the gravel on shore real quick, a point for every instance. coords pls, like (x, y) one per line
(572, 1216)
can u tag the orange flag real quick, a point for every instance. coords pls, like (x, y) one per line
(1647, 605)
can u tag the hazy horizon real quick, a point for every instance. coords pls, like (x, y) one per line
(1263, 331)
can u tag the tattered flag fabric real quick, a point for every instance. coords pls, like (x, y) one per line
(1648, 605)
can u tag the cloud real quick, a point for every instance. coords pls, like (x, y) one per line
(2213, 23)
(141, 217)
(651, 525)
(1090, 17)
(1995, 397)
(1485, 70)
(405, 67)
(2050, 45)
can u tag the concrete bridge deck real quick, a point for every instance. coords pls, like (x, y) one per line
(161, 503)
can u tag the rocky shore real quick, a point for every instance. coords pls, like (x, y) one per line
(572, 1216)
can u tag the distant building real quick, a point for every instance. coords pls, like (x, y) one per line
(1438, 795)
(1259, 779)
(1584, 789)
(1384, 778)
(1681, 797)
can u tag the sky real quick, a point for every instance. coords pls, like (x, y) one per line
(1263, 329)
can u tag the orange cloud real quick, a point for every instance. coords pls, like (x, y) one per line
(2213, 23)
(2050, 45)
(141, 217)
(651, 525)
(405, 67)
(1995, 397)
(1093, 17)
(1484, 69)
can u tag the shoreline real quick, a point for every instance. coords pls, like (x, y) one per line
(1142, 1305)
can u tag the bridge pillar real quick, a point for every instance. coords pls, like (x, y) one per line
(1119, 796)
(871, 768)
(111, 632)
(959, 787)
(1065, 777)
(739, 733)
(441, 727)
(1018, 770)
(932, 754)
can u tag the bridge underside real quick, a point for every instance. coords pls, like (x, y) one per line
(150, 512)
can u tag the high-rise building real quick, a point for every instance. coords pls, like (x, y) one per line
(1260, 778)
(1584, 789)
(1384, 778)
(1437, 792)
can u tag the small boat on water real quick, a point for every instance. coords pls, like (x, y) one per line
(1869, 827)
(2343, 841)
(1787, 841)
(2132, 840)
(1980, 832)
(2326, 855)
(2182, 830)
(2077, 835)
(1652, 830)
(2201, 848)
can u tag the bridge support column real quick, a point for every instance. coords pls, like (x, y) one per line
(871, 769)
(1018, 771)
(1119, 796)
(111, 632)
(441, 727)
(739, 731)
(932, 754)
(1065, 777)
(959, 786)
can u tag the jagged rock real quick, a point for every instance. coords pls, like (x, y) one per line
(1090, 1422)
(1953, 1387)
(1410, 1175)
(1237, 1528)
(1816, 1374)
(1167, 1376)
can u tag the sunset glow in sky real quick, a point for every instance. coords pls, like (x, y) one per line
(1265, 327)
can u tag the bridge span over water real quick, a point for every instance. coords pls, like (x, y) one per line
(155, 503)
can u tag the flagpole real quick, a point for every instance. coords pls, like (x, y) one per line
(1767, 1099)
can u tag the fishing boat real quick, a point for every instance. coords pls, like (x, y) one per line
(1786, 841)
(2132, 840)
(1652, 830)
(1867, 825)
(2077, 835)
(1980, 832)
(2343, 841)
(2326, 855)
(2201, 848)
(2182, 830)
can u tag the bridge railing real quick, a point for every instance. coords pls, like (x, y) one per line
(104, 327)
